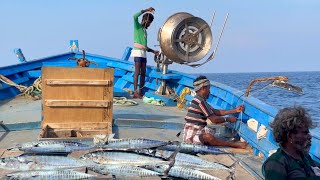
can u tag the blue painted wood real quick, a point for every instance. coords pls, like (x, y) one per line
(117, 92)
(222, 96)
(121, 83)
(119, 72)
(20, 55)
(74, 45)
(126, 54)
(17, 81)
(152, 86)
(186, 82)
(32, 65)
(127, 67)
(159, 75)
(32, 74)
(249, 135)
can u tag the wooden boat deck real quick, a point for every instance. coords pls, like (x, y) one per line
(141, 121)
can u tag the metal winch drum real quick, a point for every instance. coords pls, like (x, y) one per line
(185, 38)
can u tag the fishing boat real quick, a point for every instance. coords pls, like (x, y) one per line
(21, 118)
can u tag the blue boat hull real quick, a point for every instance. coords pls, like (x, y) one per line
(221, 97)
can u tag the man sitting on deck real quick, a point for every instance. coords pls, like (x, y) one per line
(195, 130)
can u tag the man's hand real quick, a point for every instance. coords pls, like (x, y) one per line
(156, 52)
(240, 108)
(150, 9)
(232, 119)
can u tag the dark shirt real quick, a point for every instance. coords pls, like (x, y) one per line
(281, 165)
(198, 111)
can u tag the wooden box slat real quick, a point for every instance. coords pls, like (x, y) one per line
(73, 97)
(74, 131)
(53, 82)
(78, 103)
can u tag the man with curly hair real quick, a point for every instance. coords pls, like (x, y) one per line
(292, 160)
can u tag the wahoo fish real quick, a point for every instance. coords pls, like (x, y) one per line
(51, 174)
(41, 162)
(123, 170)
(51, 147)
(121, 157)
(181, 172)
(187, 160)
(192, 148)
(108, 142)
(133, 144)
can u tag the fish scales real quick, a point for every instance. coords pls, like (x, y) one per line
(187, 160)
(139, 143)
(121, 157)
(123, 170)
(51, 146)
(50, 174)
(41, 162)
(182, 172)
(193, 148)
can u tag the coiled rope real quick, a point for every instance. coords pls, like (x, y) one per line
(33, 91)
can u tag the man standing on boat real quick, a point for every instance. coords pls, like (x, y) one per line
(140, 48)
(195, 130)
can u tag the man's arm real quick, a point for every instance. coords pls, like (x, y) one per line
(136, 15)
(215, 117)
(153, 51)
(218, 119)
(226, 112)
(273, 170)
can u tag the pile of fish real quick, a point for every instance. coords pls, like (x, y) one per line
(116, 157)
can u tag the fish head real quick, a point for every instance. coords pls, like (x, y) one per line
(89, 156)
(9, 163)
(17, 147)
(3, 162)
(156, 168)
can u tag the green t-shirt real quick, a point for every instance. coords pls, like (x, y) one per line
(281, 165)
(140, 33)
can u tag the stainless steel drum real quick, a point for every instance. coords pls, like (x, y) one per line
(184, 38)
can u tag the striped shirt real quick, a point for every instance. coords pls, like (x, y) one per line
(198, 111)
(281, 165)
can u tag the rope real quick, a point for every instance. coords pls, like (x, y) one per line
(182, 101)
(33, 91)
(123, 101)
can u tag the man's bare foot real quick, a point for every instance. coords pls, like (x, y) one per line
(240, 145)
(137, 96)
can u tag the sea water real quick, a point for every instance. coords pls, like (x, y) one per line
(277, 97)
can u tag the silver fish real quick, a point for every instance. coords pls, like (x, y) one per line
(187, 160)
(51, 147)
(123, 170)
(121, 157)
(181, 172)
(133, 144)
(51, 174)
(41, 162)
(192, 148)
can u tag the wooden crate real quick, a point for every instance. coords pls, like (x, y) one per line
(76, 102)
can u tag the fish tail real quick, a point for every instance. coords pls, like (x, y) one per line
(232, 168)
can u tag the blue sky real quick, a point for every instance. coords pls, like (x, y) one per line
(261, 36)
